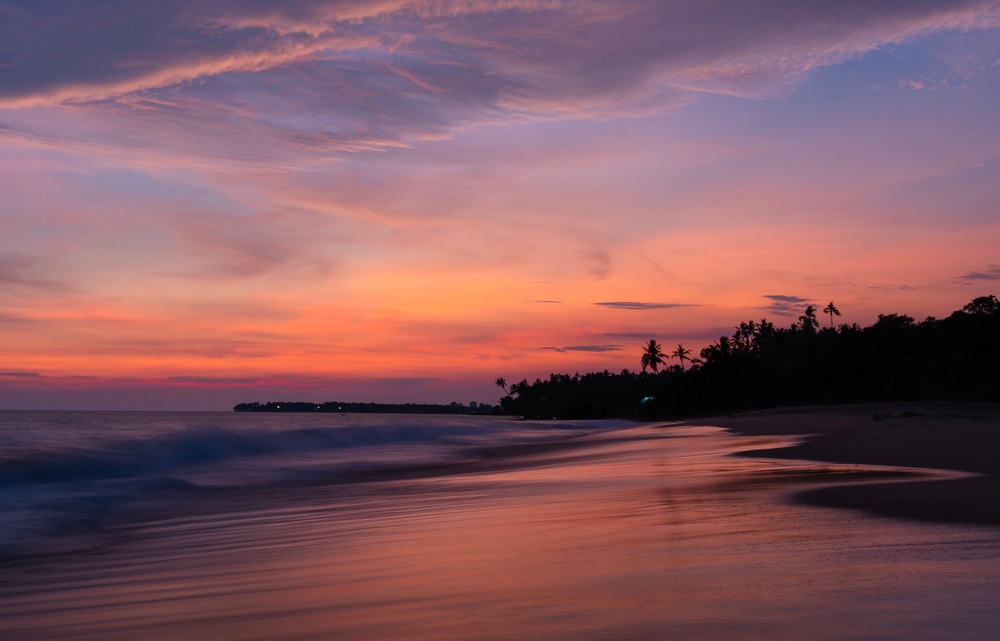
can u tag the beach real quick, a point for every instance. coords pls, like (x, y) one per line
(954, 436)
(497, 529)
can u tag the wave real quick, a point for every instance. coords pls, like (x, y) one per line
(177, 451)
(61, 475)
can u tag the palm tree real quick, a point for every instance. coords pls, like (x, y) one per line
(681, 354)
(652, 357)
(831, 310)
(502, 384)
(808, 320)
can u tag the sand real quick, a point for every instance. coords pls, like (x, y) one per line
(953, 436)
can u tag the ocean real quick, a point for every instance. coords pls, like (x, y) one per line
(126, 525)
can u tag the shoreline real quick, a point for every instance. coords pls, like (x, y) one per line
(963, 437)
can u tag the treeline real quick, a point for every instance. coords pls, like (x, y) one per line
(895, 359)
(365, 408)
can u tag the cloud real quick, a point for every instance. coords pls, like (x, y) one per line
(642, 306)
(992, 273)
(583, 348)
(644, 336)
(902, 288)
(213, 381)
(254, 245)
(706, 334)
(782, 305)
(27, 272)
(20, 374)
(785, 299)
(266, 79)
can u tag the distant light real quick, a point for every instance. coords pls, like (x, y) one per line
(647, 399)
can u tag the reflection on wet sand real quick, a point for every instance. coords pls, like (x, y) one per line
(649, 532)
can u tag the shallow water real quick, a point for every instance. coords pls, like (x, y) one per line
(376, 527)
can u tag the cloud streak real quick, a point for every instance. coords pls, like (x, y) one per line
(312, 78)
(22, 271)
(992, 273)
(782, 305)
(637, 306)
(597, 349)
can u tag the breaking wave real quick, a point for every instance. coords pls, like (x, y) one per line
(65, 475)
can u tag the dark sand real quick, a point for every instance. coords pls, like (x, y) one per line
(952, 436)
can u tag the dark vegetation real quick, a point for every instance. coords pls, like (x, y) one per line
(365, 408)
(895, 359)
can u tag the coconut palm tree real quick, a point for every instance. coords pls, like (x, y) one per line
(652, 357)
(681, 354)
(808, 320)
(831, 310)
(502, 384)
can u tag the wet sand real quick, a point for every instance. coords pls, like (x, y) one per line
(651, 532)
(954, 436)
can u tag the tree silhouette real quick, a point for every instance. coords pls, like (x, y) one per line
(746, 335)
(502, 384)
(831, 310)
(808, 320)
(983, 305)
(681, 354)
(760, 365)
(652, 357)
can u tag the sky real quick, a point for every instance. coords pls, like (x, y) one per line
(205, 203)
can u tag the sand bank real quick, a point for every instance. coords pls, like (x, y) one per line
(953, 436)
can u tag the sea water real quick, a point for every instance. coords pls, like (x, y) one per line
(298, 526)
(66, 476)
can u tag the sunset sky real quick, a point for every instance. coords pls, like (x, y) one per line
(209, 202)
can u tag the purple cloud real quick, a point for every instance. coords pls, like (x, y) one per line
(902, 288)
(635, 306)
(256, 80)
(27, 272)
(583, 348)
(992, 273)
(782, 305)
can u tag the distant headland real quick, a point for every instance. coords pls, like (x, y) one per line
(368, 408)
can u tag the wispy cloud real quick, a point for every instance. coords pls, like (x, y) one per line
(632, 305)
(705, 334)
(583, 348)
(991, 273)
(27, 271)
(901, 288)
(256, 79)
(782, 305)
(628, 336)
